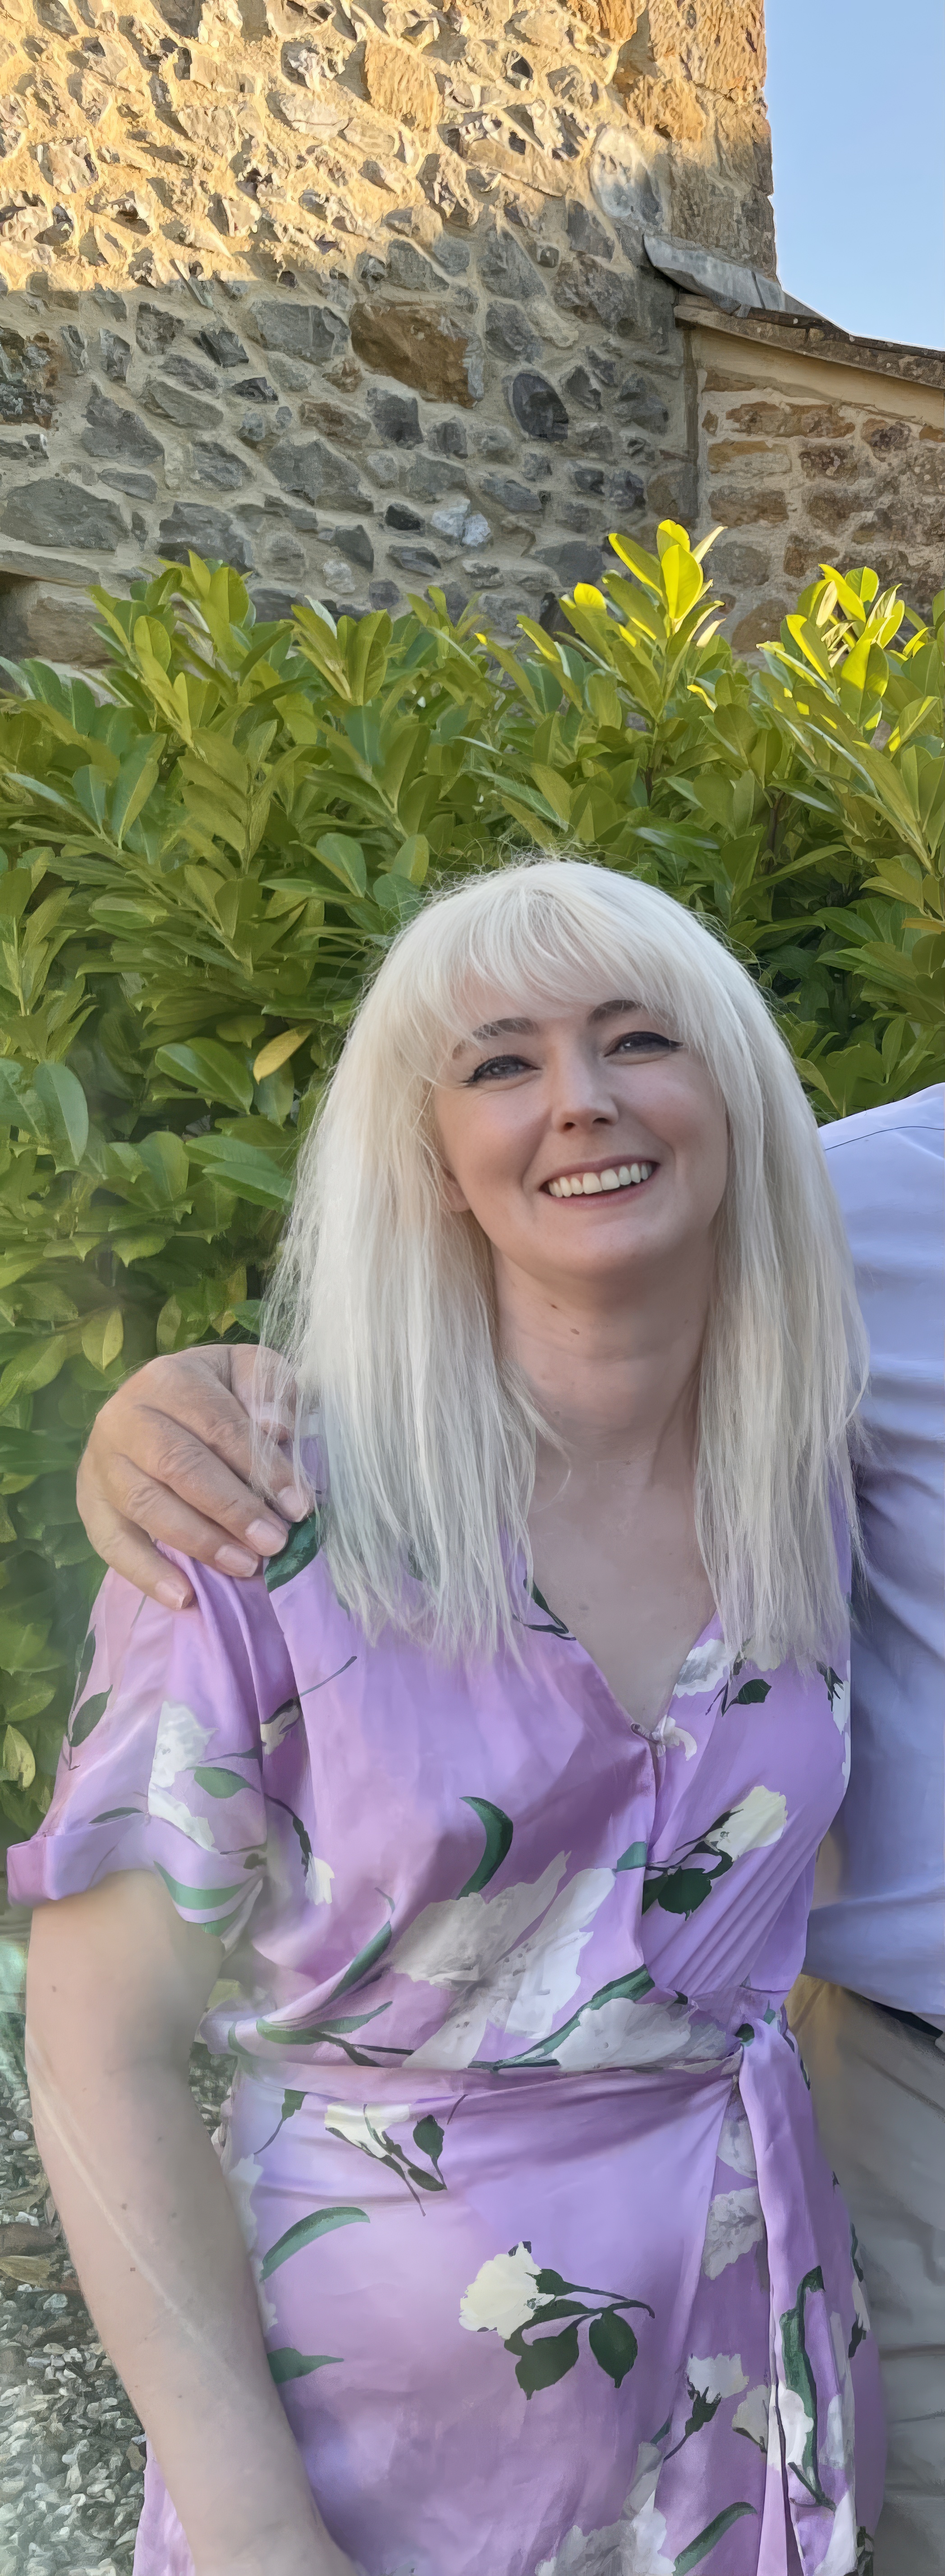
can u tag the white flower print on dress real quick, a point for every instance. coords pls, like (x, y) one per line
(501, 1971)
(841, 2556)
(624, 2033)
(667, 1737)
(318, 1881)
(173, 1812)
(504, 2295)
(751, 2417)
(796, 2425)
(753, 1825)
(736, 2144)
(365, 2128)
(720, 2376)
(733, 2226)
(275, 1728)
(180, 1744)
(631, 2547)
(703, 1668)
(840, 1704)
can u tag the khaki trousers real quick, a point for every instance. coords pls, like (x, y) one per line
(879, 2094)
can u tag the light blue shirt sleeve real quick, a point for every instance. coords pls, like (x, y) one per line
(878, 1923)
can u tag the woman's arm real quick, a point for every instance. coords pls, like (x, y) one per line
(168, 1458)
(116, 1987)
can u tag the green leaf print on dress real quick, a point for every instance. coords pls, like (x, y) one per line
(306, 2231)
(298, 1552)
(757, 1821)
(86, 1717)
(699, 2548)
(797, 2392)
(498, 1830)
(512, 2295)
(366, 2130)
(290, 2364)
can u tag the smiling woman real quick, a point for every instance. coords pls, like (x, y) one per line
(733, 1250)
(519, 2193)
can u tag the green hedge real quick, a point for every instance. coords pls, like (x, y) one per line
(204, 849)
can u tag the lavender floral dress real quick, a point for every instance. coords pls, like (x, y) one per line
(553, 2276)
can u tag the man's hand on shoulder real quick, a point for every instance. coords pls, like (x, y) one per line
(170, 1457)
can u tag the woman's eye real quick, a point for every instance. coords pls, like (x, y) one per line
(497, 1066)
(645, 1042)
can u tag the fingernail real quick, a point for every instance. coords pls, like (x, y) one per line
(293, 1502)
(267, 1537)
(175, 1596)
(235, 1560)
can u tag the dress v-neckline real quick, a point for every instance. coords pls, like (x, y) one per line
(647, 1733)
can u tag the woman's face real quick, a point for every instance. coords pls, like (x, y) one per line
(589, 1144)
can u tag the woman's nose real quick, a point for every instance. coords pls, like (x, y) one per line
(581, 1095)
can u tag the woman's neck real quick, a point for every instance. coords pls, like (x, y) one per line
(614, 1380)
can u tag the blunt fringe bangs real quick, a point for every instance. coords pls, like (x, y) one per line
(383, 1300)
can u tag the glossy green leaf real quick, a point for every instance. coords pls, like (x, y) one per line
(345, 860)
(214, 1072)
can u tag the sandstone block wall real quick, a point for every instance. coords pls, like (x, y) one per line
(356, 296)
(813, 448)
(364, 295)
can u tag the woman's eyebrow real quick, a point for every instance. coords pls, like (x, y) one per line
(611, 1011)
(496, 1029)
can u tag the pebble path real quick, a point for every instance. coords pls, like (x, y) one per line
(71, 2446)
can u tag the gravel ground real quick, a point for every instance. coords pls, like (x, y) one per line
(71, 2446)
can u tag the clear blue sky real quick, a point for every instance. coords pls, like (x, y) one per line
(856, 96)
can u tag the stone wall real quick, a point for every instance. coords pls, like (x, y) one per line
(814, 447)
(364, 298)
(357, 297)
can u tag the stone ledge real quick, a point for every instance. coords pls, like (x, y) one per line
(825, 340)
(20, 563)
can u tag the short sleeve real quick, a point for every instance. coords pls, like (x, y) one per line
(161, 1768)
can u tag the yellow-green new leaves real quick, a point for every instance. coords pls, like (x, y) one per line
(19, 1760)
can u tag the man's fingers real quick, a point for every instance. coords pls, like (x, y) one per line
(133, 1556)
(170, 1458)
(231, 1535)
(177, 1456)
(213, 1417)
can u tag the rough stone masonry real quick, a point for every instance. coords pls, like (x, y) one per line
(362, 298)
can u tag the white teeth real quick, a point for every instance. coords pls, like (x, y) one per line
(590, 1184)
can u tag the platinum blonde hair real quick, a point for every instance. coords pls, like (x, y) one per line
(383, 1300)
